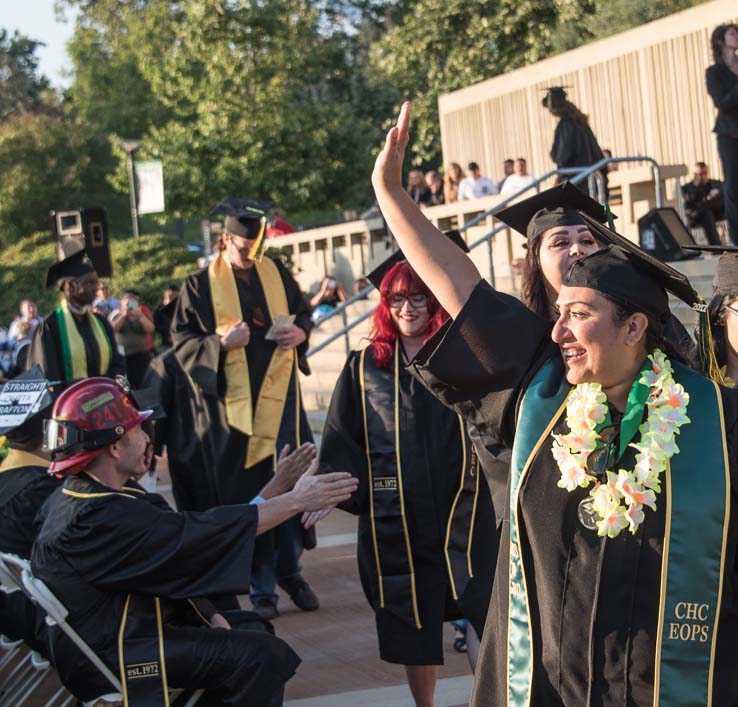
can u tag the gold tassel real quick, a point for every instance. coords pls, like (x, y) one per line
(706, 344)
(257, 252)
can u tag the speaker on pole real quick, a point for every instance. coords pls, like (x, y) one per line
(76, 229)
(662, 234)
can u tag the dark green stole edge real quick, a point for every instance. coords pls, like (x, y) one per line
(683, 677)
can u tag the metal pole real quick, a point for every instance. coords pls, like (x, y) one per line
(657, 182)
(344, 319)
(132, 191)
(491, 263)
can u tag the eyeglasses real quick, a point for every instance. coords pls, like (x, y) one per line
(417, 301)
(600, 460)
(735, 311)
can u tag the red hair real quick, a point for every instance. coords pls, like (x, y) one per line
(400, 279)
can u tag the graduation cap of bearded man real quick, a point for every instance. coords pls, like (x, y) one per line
(245, 218)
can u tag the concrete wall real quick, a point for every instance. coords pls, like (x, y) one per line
(644, 91)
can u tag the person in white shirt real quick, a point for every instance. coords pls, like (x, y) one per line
(518, 179)
(476, 185)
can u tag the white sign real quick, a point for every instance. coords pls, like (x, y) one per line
(19, 400)
(150, 180)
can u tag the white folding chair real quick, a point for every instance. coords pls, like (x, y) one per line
(56, 614)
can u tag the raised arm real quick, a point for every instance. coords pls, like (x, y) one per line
(445, 269)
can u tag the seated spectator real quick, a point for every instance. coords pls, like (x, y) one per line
(20, 347)
(163, 315)
(131, 571)
(133, 325)
(277, 226)
(26, 321)
(508, 167)
(451, 182)
(704, 203)
(330, 294)
(417, 189)
(104, 304)
(435, 188)
(361, 283)
(476, 185)
(519, 179)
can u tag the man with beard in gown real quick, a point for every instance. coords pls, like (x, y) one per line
(133, 573)
(248, 383)
(617, 573)
(73, 342)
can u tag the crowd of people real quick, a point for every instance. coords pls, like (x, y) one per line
(513, 464)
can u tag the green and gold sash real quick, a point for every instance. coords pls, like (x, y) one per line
(73, 347)
(380, 395)
(697, 503)
(260, 421)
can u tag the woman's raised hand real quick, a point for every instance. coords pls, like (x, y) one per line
(387, 172)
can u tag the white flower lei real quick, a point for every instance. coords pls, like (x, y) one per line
(619, 502)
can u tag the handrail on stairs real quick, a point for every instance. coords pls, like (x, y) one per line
(596, 183)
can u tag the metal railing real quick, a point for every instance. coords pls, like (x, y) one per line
(597, 189)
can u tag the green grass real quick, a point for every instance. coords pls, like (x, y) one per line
(147, 264)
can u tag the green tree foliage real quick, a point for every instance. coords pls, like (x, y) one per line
(21, 86)
(49, 161)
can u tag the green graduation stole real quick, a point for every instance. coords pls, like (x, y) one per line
(691, 589)
(380, 398)
(73, 347)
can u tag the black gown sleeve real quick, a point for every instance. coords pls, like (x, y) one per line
(563, 151)
(195, 344)
(159, 383)
(149, 550)
(300, 307)
(118, 361)
(479, 363)
(342, 445)
(724, 96)
(43, 351)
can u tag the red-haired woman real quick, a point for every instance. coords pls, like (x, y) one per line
(427, 540)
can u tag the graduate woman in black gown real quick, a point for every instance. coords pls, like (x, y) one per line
(426, 544)
(610, 590)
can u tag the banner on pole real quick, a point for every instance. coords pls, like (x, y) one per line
(150, 179)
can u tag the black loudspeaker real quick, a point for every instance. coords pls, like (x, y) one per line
(83, 228)
(662, 234)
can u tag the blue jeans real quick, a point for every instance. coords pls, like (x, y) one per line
(281, 563)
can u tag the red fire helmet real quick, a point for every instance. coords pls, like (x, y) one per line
(87, 417)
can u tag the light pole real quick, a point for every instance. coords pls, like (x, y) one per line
(130, 146)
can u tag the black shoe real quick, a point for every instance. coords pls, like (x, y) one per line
(299, 590)
(266, 608)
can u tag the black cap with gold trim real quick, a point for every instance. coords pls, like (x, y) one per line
(377, 275)
(243, 217)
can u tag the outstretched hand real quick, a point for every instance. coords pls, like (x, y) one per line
(314, 493)
(387, 172)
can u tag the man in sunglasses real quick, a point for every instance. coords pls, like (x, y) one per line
(133, 573)
(240, 332)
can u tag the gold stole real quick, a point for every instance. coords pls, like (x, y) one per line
(259, 422)
(18, 458)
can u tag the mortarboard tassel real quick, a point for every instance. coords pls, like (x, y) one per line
(257, 252)
(706, 344)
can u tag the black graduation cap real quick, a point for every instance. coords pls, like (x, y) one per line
(75, 265)
(377, 275)
(554, 94)
(149, 399)
(24, 402)
(243, 217)
(562, 205)
(725, 280)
